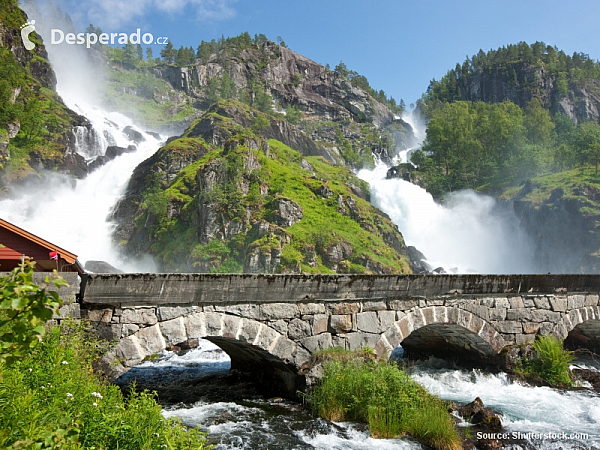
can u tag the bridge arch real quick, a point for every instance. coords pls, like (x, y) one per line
(581, 328)
(454, 325)
(253, 347)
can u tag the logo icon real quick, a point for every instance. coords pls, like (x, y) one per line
(26, 29)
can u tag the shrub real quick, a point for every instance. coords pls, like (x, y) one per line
(386, 398)
(24, 308)
(552, 363)
(52, 399)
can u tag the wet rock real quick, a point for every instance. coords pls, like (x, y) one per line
(487, 420)
(133, 135)
(153, 134)
(470, 409)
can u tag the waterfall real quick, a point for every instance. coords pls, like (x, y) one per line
(468, 233)
(75, 214)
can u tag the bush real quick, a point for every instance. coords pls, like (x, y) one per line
(386, 398)
(24, 308)
(52, 399)
(552, 363)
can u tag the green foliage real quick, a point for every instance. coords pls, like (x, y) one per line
(24, 309)
(53, 399)
(293, 115)
(552, 362)
(244, 195)
(263, 102)
(260, 123)
(386, 398)
(510, 64)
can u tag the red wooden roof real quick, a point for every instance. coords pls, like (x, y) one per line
(18, 242)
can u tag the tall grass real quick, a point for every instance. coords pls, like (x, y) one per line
(552, 363)
(52, 399)
(386, 398)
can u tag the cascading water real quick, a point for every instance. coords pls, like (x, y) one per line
(74, 214)
(530, 411)
(468, 233)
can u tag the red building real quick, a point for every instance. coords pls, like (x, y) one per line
(17, 243)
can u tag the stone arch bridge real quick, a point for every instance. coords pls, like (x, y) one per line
(271, 324)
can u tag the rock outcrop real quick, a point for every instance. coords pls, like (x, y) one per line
(46, 143)
(562, 224)
(230, 196)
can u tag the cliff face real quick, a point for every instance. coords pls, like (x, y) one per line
(343, 120)
(35, 125)
(231, 195)
(290, 78)
(560, 212)
(581, 100)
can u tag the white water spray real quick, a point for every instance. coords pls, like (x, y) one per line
(525, 409)
(75, 217)
(469, 233)
(74, 214)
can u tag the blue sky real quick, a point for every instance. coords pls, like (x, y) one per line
(398, 45)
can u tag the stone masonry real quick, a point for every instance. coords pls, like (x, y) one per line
(271, 325)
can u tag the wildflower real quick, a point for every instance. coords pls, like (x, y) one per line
(64, 362)
(69, 394)
(156, 434)
(31, 370)
(95, 404)
(97, 394)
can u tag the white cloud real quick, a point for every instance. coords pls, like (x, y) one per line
(112, 14)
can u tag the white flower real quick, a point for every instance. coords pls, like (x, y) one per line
(69, 394)
(31, 370)
(97, 394)
(64, 362)
(95, 404)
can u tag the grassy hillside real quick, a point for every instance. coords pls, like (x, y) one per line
(253, 204)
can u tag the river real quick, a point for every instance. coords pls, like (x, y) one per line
(243, 419)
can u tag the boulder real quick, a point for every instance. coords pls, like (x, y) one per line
(286, 212)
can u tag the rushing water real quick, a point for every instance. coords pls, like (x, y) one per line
(525, 409)
(242, 419)
(74, 214)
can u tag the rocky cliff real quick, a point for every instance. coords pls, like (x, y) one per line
(581, 101)
(243, 191)
(520, 72)
(561, 212)
(35, 125)
(339, 116)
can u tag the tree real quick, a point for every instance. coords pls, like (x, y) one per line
(281, 42)
(263, 102)
(149, 57)
(168, 53)
(203, 52)
(129, 57)
(227, 87)
(139, 51)
(212, 91)
(341, 69)
(24, 309)
(587, 143)
(293, 114)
